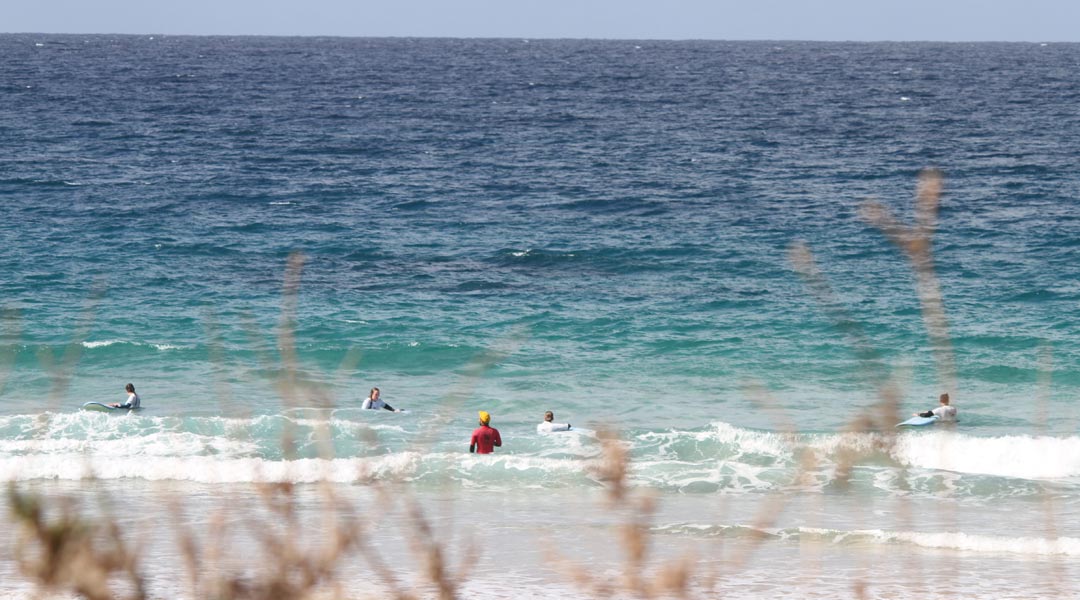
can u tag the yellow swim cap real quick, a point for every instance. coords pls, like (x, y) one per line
(485, 418)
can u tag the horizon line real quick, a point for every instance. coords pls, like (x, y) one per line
(542, 38)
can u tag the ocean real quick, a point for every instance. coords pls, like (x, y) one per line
(256, 231)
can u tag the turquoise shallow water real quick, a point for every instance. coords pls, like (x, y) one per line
(601, 229)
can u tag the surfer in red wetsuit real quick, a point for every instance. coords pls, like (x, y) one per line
(484, 438)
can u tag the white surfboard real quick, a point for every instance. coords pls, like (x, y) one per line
(102, 407)
(98, 406)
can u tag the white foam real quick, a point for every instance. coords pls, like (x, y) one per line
(101, 344)
(204, 469)
(1063, 546)
(728, 458)
(741, 440)
(107, 343)
(1019, 456)
(946, 540)
(952, 540)
(403, 466)
(161, 444)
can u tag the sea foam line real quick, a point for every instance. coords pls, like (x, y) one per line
(947, 540)
(405, 466)
(1016, 456)
(92, 344)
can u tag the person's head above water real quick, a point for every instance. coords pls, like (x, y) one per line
(485, 418)
(549, 416)
(944, 399)
(374, 393)
(130, 388)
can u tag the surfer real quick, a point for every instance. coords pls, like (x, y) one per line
(548, 426)
(484, 438)
(132, 399)
(944, 412)
(374, 402)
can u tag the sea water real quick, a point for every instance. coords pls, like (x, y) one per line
(256, 231)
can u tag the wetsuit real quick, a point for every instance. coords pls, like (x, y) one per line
(132, 401)
(484, 439)
(548, 426)
(370, 404)
(945, 412)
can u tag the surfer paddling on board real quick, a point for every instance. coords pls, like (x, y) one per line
(484, 438)
(945, 412)
(374, 402)
(548, 426)
(132, 399)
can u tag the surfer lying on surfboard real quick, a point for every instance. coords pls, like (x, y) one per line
(132, 399)
(944, 412)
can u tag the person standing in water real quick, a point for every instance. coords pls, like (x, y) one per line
(485, 438)
(374, 402)
(132, 399)
(944, 412)
(548, 426)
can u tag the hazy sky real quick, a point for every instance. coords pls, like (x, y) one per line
(944, 20)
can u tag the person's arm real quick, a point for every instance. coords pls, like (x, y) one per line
(388, 407)
(928, 413)
(498, 440)
(472, 444)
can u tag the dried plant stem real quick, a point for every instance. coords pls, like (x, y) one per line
(917, 243)
(66, 552)
(11, 318)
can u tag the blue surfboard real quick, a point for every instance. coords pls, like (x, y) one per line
(918, 422)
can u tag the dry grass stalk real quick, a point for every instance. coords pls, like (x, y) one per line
(66, 552)
(917, 243)
(61, 372)
(437, 569)
(11, 319)
(297, 565)
(1050, 526)
(672, 578)
(772, 506)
